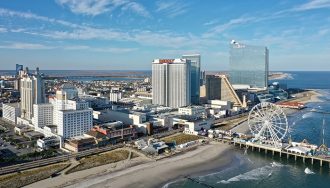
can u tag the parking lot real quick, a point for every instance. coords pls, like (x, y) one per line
(12, 145)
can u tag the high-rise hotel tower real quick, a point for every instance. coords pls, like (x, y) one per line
(171, 82)
(248, 65)
(32, 92)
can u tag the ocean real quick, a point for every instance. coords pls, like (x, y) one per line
(264, 170)
(307, 79)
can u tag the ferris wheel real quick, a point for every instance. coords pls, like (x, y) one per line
(268, 122)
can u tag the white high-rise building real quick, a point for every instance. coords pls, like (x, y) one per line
(115, 96)
(32, 92)
(70, 117)
(42, 115)
(71, 123)
(171, 82)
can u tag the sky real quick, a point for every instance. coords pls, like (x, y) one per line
(129, 34)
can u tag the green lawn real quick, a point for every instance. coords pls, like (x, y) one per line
(180, 138)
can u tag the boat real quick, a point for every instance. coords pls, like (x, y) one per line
(308, 171)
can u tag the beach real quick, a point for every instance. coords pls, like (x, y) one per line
(279, 76)
(308, 96)
(213, 156)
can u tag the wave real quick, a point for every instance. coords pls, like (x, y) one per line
(308, 115)
(275, 164)
(167, 185)
(255, 174)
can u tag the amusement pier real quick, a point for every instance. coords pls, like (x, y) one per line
(269, 127)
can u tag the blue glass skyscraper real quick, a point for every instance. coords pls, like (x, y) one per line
(248, 65)
(195, 60)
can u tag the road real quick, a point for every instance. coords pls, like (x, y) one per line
(52, 160)
(66, 157)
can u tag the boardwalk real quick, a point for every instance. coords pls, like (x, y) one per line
(282, 152)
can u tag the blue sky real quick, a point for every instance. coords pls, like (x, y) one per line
(128, 34)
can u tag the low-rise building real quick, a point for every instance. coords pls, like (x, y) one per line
(223, 105)
(196, 111)
(194, 126)
(48, 142)
(116, 131)
(80, 143)
(125, 116)
(21, 129)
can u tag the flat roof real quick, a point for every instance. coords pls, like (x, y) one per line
(16, 105)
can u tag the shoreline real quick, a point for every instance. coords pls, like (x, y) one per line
(192, 163)
(308, 96)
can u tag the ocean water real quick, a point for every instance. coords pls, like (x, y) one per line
(307, 79)
(264, 170)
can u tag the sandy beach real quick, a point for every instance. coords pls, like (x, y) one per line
(308, 96)
(279, 76)
(145, 173)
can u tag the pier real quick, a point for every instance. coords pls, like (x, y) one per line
(269, 126)
(281, 152)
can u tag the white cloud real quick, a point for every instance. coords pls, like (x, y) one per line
(87, 33)
(114, 50)
(323, 32)
(137, 8)
(230, 24)
(3, 30)
(25, 46)
(98, 49)
(313, 4)
(36, 46)
(97, 7)
(19, 30)
(76, 47)
(212, 22)
(27, 15)
(171, 8)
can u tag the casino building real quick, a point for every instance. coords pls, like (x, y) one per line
(171, 82)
